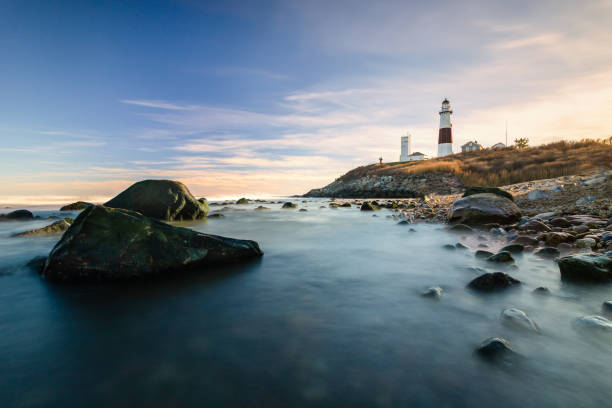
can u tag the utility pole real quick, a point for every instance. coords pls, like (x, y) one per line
(506, 133)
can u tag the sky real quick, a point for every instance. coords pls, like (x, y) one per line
(260, 98)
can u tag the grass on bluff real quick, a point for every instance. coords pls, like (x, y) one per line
(505, 166)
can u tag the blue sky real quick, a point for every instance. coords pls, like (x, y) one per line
(277, 97)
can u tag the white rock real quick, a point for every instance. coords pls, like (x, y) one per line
(520, 319)
(433, 292)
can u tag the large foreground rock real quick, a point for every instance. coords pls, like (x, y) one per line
(480, 209)
(493, 190)
(108, 244)
(586, 267)
(162, 199)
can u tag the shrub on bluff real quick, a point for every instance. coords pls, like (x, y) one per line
(109, 244)
(162, 199)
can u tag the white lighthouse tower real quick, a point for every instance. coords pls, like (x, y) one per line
(445, 136)
(406, 147)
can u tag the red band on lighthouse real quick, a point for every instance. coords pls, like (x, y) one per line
(445, 136)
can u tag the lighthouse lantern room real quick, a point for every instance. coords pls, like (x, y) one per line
(445, 136)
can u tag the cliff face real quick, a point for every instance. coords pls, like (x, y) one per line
(355, 184)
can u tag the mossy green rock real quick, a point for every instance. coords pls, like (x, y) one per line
(493, 190)
(114, 244)
(586, 267)
(162, 199)
(242, 201)
(78, 206)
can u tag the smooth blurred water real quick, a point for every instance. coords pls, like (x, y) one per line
(330, 316)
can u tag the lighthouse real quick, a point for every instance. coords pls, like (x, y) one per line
(406, 147)
(445, 137)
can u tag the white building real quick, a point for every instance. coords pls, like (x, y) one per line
(406, 147)
(471, 146)
(445, 136)
(416, 156)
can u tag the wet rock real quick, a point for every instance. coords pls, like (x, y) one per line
(593, 322)
(502, 256)
(242, 201)
(548, 253)
(493, 190)
(403, 222)
(345, 205)
(216, 215)
(495, 281)
(161, 199)
(560, 222)
(585, 243)
(262, 208)
(580, 228)
(606, 306)
(520, 319)
(114, 244)
(78, 206)
(534, 225)
(555, 238)
(586, 267)
(480, 209)
(289, 205)
(434, 292)
(58, 227)
(460, 228)
(449, 247)
(480, 254)
(585, 200)
(369, 207)
(513, 248)
(17, 215)
(37, 263)
(303, 210)
(496, 349)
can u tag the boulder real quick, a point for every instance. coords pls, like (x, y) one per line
(78, 206)
(492, 190)
(58, 227)
(161, 199)
(502, 256)
(519, 319)
(289, 205)
(17, 215)
(525, 240)
(242, 201)
(480, 209)
(586, 267)
(606, 306)
(114, 244)
(489, 282)
(560, 222)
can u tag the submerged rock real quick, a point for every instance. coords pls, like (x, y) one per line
(17, 215)
(111, 244)
(289, 205)
(78, 206)
(161, 199)
(57, 227)
(586, 267)
(606, 306)
(434, 292)
(513, 248)
(520, 319)
(593, 322)
(496, 349)
(369, 207)
(481, 254)
(460, 228)
(242, 201)
(548, 253)
(216, 215)
(489, 282)
(502, 256)
(480, 209)
(262, 208)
